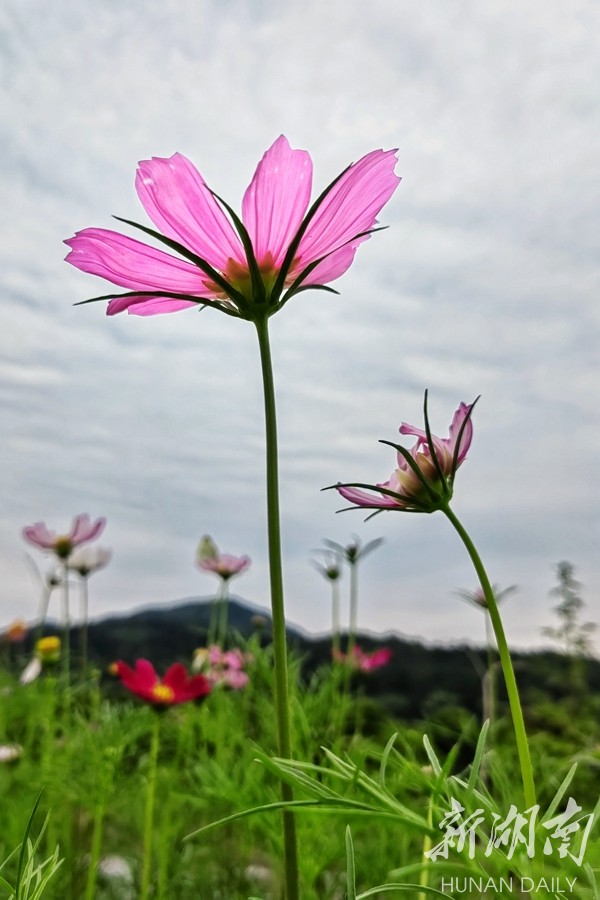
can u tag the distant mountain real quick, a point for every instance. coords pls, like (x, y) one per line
(419, 680)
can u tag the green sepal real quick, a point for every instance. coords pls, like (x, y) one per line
(291, 251)
(430, 443)
(203, 302)
(258, 285)
(202, 264)
(406, 454)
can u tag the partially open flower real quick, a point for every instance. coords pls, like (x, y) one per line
(226, 566)
(424, 479)
(82, 530)
(176, 687)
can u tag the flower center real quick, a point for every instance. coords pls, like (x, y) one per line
(162, 693)
(62, 546)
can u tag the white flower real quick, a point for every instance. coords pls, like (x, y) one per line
(88, 559)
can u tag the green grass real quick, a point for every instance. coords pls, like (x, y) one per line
(354, 768)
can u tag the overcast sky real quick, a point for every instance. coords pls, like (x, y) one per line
(485, 282)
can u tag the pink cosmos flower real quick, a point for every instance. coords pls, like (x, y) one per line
(82, 531)
(242, 267)
(425, 475)
(225, 565)
(362, 661)
(223, 667)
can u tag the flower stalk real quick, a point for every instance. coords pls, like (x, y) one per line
(505, 660)
(149, 811)
(284, 741)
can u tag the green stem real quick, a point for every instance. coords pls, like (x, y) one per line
(335, 618)
(90, 889)
(223, 613)
(84, 623)
(66, 642)
(149, 812)
(505, 661)
(284, 742)
(353, 607)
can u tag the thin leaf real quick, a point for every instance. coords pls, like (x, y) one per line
(23, 851)
(435, 763)
(385, 756)
(560, 793)
(479, 751)
(350, 867)
(416, 888)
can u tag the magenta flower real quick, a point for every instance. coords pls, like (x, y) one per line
(248, 267)
(176, 687)
(362, 661)
(82, 531)
(424, 479)
(225, 565)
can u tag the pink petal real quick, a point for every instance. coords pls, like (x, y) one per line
(176, 198)
(352, 205)
(277, 199)
(363, 498)
(39, 535)
(132, 264)
(83, 530)
(333, 266)
(467, 436)
(147, 306)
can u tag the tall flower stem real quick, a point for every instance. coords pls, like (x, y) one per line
(66, 643)
(277, 607)
(353, 620)
(84, 588)
(223, 613)
(149, 811)
(335, 617)
(505, 661)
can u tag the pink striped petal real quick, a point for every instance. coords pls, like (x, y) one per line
(176, 198)
(467, 436)
(83, 530)
(363, 498)
(147, 306)
(352, 205)
(131, 264)
(40, 535)
(333, 266)
(276, 200)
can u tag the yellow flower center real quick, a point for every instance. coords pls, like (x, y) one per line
(162, 693)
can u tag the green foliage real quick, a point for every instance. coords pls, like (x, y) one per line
(217, 824)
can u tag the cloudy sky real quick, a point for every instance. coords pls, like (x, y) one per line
(485, 282)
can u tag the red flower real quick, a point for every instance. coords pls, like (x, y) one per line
(176, 687)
